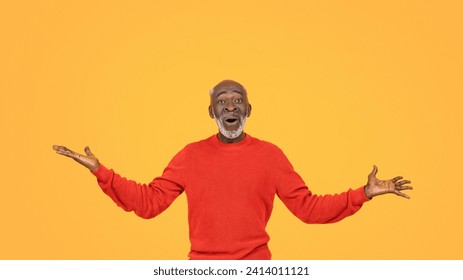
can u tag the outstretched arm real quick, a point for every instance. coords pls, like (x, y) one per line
(89, 160)
(146, 200)
(395, 185)
(312, 208)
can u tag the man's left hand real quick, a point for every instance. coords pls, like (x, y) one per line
(376, 187)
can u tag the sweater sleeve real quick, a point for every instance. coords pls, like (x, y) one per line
(146, 200)
(311, 208)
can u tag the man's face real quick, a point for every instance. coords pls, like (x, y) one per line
(230, 108)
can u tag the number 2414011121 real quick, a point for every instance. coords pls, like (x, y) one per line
(293, 271)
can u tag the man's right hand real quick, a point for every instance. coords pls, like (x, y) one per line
(89, 160)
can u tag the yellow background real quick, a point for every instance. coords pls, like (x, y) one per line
(338, 85)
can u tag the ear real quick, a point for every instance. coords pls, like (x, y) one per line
(249, 110)
(211, 114)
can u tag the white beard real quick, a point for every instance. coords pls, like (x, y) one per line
(230, 134)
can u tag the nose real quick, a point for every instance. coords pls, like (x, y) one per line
(230, 107)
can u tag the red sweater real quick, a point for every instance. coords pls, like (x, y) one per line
(230, 190)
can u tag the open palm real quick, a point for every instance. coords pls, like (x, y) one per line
(395, 185)
(88, 160)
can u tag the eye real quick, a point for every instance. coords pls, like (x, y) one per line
(221, 101)
(239, 101)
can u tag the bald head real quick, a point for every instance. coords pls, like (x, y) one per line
(226, 86)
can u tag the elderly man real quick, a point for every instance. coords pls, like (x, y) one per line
(230, 180)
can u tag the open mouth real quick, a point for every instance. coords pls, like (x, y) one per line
(231, 120)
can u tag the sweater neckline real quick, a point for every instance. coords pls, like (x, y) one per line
(215, 140)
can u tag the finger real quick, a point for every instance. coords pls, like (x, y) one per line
(395, 179)
(373, 172)
(403, 182)
(66, 153)
(401, 188)
(87, 151)
(401, 194)
(61, 148)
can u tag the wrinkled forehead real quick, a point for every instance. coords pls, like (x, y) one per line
(228, 86)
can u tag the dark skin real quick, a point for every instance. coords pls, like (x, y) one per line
(89, 160)
(229, 102)
(229, 99)
(230, 105)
